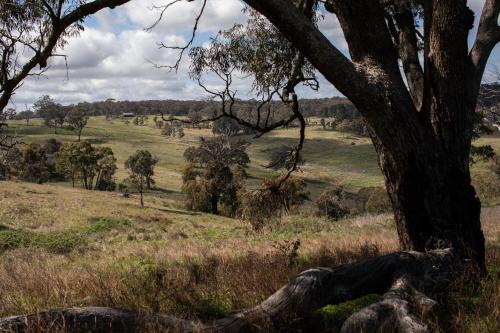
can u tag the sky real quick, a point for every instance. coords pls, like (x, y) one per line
(114, 56)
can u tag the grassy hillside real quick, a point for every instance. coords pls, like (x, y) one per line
(63, 247)
(330, 156)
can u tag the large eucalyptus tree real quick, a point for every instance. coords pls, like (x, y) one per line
(417, 90)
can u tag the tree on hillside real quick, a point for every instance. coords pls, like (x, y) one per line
(34, 165)
(214, 174)
(93, 166)
(26, 115)
(52, 113)
(141, 169)
(77, 118)
(226, 126)
(31, 32)
(323, 123)
(8, 114)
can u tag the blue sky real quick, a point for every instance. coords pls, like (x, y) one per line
(112, 57)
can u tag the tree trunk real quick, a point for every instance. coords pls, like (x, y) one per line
(421, 126)
(141, 190)
(213, 202)
(434, 203)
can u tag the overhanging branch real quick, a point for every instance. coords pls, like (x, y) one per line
(488, 35)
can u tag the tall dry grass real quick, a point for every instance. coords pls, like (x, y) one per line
(197, 278)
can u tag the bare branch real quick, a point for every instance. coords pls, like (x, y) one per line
(185, 47)
(45, 43)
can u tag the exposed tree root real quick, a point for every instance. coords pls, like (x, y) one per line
(403, 278)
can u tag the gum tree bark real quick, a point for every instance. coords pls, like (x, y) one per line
(421, 130)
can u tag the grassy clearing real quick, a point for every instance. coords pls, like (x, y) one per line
(330, 156)
(57, 242)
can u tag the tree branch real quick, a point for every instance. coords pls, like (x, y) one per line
(58, 29)
(488, 35)
(408, 51)
(329, 61)
(401, 276)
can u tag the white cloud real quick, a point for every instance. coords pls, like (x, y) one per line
(112, 57)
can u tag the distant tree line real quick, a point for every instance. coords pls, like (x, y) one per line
(322, 107)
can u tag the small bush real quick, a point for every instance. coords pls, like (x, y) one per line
(104, 224)
(332, 203)
(487, 185)
(57, 242)
(260, 207)
(375, 200)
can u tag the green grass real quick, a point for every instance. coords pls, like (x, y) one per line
(55, 242)
(115, 250)
(104, 224)
(330, 156)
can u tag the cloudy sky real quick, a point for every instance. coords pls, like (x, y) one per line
(113, 57)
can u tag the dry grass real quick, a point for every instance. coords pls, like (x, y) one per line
(164, 259)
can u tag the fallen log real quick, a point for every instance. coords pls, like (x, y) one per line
(399, 311)
(404, 278)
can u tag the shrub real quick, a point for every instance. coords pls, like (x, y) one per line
(34, 164)
(103, 224)
(332, 203)
(487, 185)
(375, 200)
(356, 126)
(276, 197)
(495, 165)
(55, 242)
